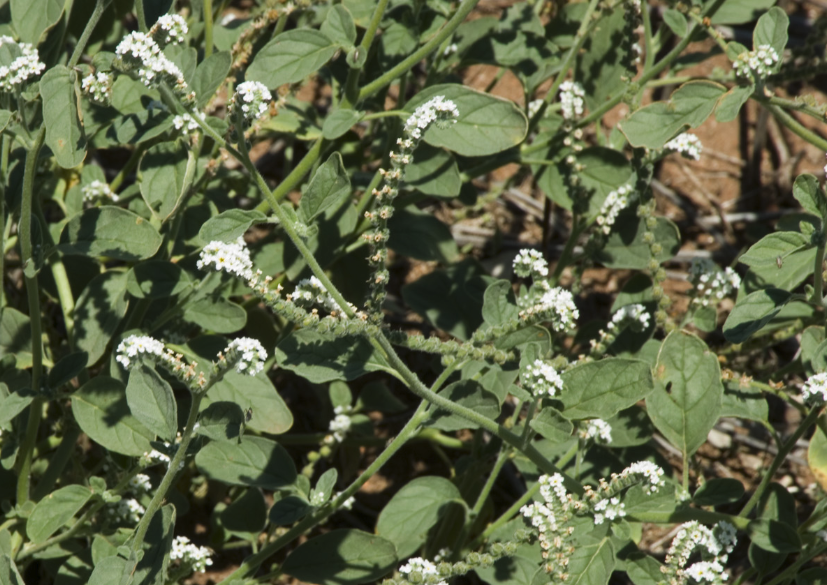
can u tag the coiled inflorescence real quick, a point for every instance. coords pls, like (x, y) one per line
(437, 111)
(712, 283)
(24, 66)
(687, 144)
(143, 54)
(814, 389)
(754, 66)
(541, 379)
(253, 99)
(714, 545)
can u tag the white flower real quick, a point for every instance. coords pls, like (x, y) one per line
(651, 472)
(608, 509)
(153, 458)
(534, 107)
(615, 202)
(437, 110)
(815, 388)
(340, 426)
(347, 504)
(687, 144)
(755, 65)
(542, 379)
(597, 430)
(135, 345)
(140, 484)
(711, 283)
(635, 313)
(560, 304)
(311, 291)
(127, 510)
(419, 565)
(450, 50)
(186, 552)
(530, 263)
(23, 68)
(231, 258)
(254, 99)
(252, 355)
(822, 534)
(186, 123)
(98, 86)
(169, 29)
(571, 99)
(97, 190)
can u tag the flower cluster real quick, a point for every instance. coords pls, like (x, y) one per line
(253, 98)
(98, 87)
(246, 353)
(687, 144)
(711, 283)
(340, 425)
(143, 53)
(555, 305)
(651, 474)
(714, 545)
(417, 570)
(310, 291)
(551, 518)
(186, 123)
(137, 345)
(634, 315)
(170, 29)
(753, 66)
(596, 430)
(140, 483)
(530, 263)
(534, 107)
(615, 202)
(232, 258)
(97, 190)
(608, 509)
(25, 65)
(153, 458)
(437, 111)
(190, 554)
(542, 379)
(571, 99)
(815, 388)
(126, 510)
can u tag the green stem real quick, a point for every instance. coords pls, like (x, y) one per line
(791, 571)
(100, 5)
(374, 86)
(505, 452)
(649, 47)
(208, 24)
(139, 12)
(4, 163)
(794, 125)
(783, 451)
(24, 457)
(351, 95)
(522, 501)
(83, 520)
(408, 431)
(568, 251)
(386, 114)
(585, 25)
(687, 515)
(175, 466)
(818, 276)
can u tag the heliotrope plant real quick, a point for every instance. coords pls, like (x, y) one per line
(203, 202)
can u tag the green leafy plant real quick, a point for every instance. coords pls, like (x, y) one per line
(203, 201)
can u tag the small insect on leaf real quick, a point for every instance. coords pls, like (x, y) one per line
(779, 262)
(248, 416)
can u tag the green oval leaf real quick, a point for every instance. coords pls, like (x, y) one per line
(64, 131)
(470, 394)
(55, 510)
(688, 391)
(413, 510)
(269, 412)
(626, 246)
(216, 314)
(31, 18)
(98, 313)
(156, 279)
(552, 425)
(163, 171)
(341, 557)
(486, 124)
(152, 402)
(109, 231)
(254, 462)
(101, 410)
(221, 421)
(288, 510)
(602, 389)
(210, 74)
(329, 186)
(718, 491)
(290, 57)
(752, 312)
(230, 225)
(774, 536)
